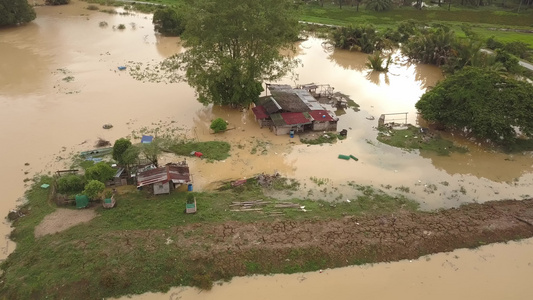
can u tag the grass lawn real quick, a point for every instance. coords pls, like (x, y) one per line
(411, 138)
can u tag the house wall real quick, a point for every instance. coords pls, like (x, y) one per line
(325, 126)
(161, 188)
(281, 130)
(320, 126)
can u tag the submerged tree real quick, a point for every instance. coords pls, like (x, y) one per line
(15, 12)
(375, 62)
(234, 45)
(168, 22)
(483, 103)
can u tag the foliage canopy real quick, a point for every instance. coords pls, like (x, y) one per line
(101, 172)
(119, 148)
(234, 45)
(93, 188)
(483, 103)
(168, 22)
(219, 125)
(15, 12)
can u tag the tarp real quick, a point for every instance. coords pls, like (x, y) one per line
(146, 139)
(82, 201)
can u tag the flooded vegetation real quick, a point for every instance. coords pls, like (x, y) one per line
(60, 83)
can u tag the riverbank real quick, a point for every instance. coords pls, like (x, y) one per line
(148, 244)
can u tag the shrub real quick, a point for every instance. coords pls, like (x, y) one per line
(101, 172)
(121, 26)
(92, 7)
(70, 184)
(219, 125)
(93, 189)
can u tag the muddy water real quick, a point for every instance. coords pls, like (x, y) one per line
(483, 274)
(59, 84)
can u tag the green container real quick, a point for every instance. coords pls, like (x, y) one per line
(354, 158)
(345, 157)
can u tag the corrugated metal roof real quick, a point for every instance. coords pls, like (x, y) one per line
(277, 120)
(292, 118)
(260, 112)
(308, 99)
(272, 106)
(176, 173)
(321, 115)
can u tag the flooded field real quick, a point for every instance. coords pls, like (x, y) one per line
(59, 83)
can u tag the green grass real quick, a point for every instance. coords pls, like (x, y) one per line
(140, 245)
(411, 138)
(215, 150)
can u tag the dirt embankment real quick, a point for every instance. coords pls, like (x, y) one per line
(284, 246)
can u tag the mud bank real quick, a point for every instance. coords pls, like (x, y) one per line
(287, 246)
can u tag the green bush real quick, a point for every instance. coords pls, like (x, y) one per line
(121, 26)
(219, 125)
(101, 171)
(70, 184)
(93, 189)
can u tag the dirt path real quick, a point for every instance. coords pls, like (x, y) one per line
(63, 219)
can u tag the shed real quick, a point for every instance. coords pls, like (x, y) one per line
(82, 201)
(165, 178)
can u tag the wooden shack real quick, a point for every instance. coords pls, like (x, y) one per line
(163, 180)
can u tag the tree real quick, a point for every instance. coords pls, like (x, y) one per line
(120, 146)
(434, 46)
(219, 125)
(234, 45)
(101, 172)
(15, 12)
(151, 151)
(56, 2)
(167, 22)
(483, 103)
(93, 188)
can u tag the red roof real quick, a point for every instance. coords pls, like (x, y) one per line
(320, 115)
(260, 112)
(292, 118)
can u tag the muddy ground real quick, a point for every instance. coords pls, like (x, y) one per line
(233, 248)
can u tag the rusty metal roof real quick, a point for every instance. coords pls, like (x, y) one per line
(176, 173)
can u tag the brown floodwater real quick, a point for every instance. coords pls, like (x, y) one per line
(487, 273)
(59, 84)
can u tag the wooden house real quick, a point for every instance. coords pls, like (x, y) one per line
(163, 180)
